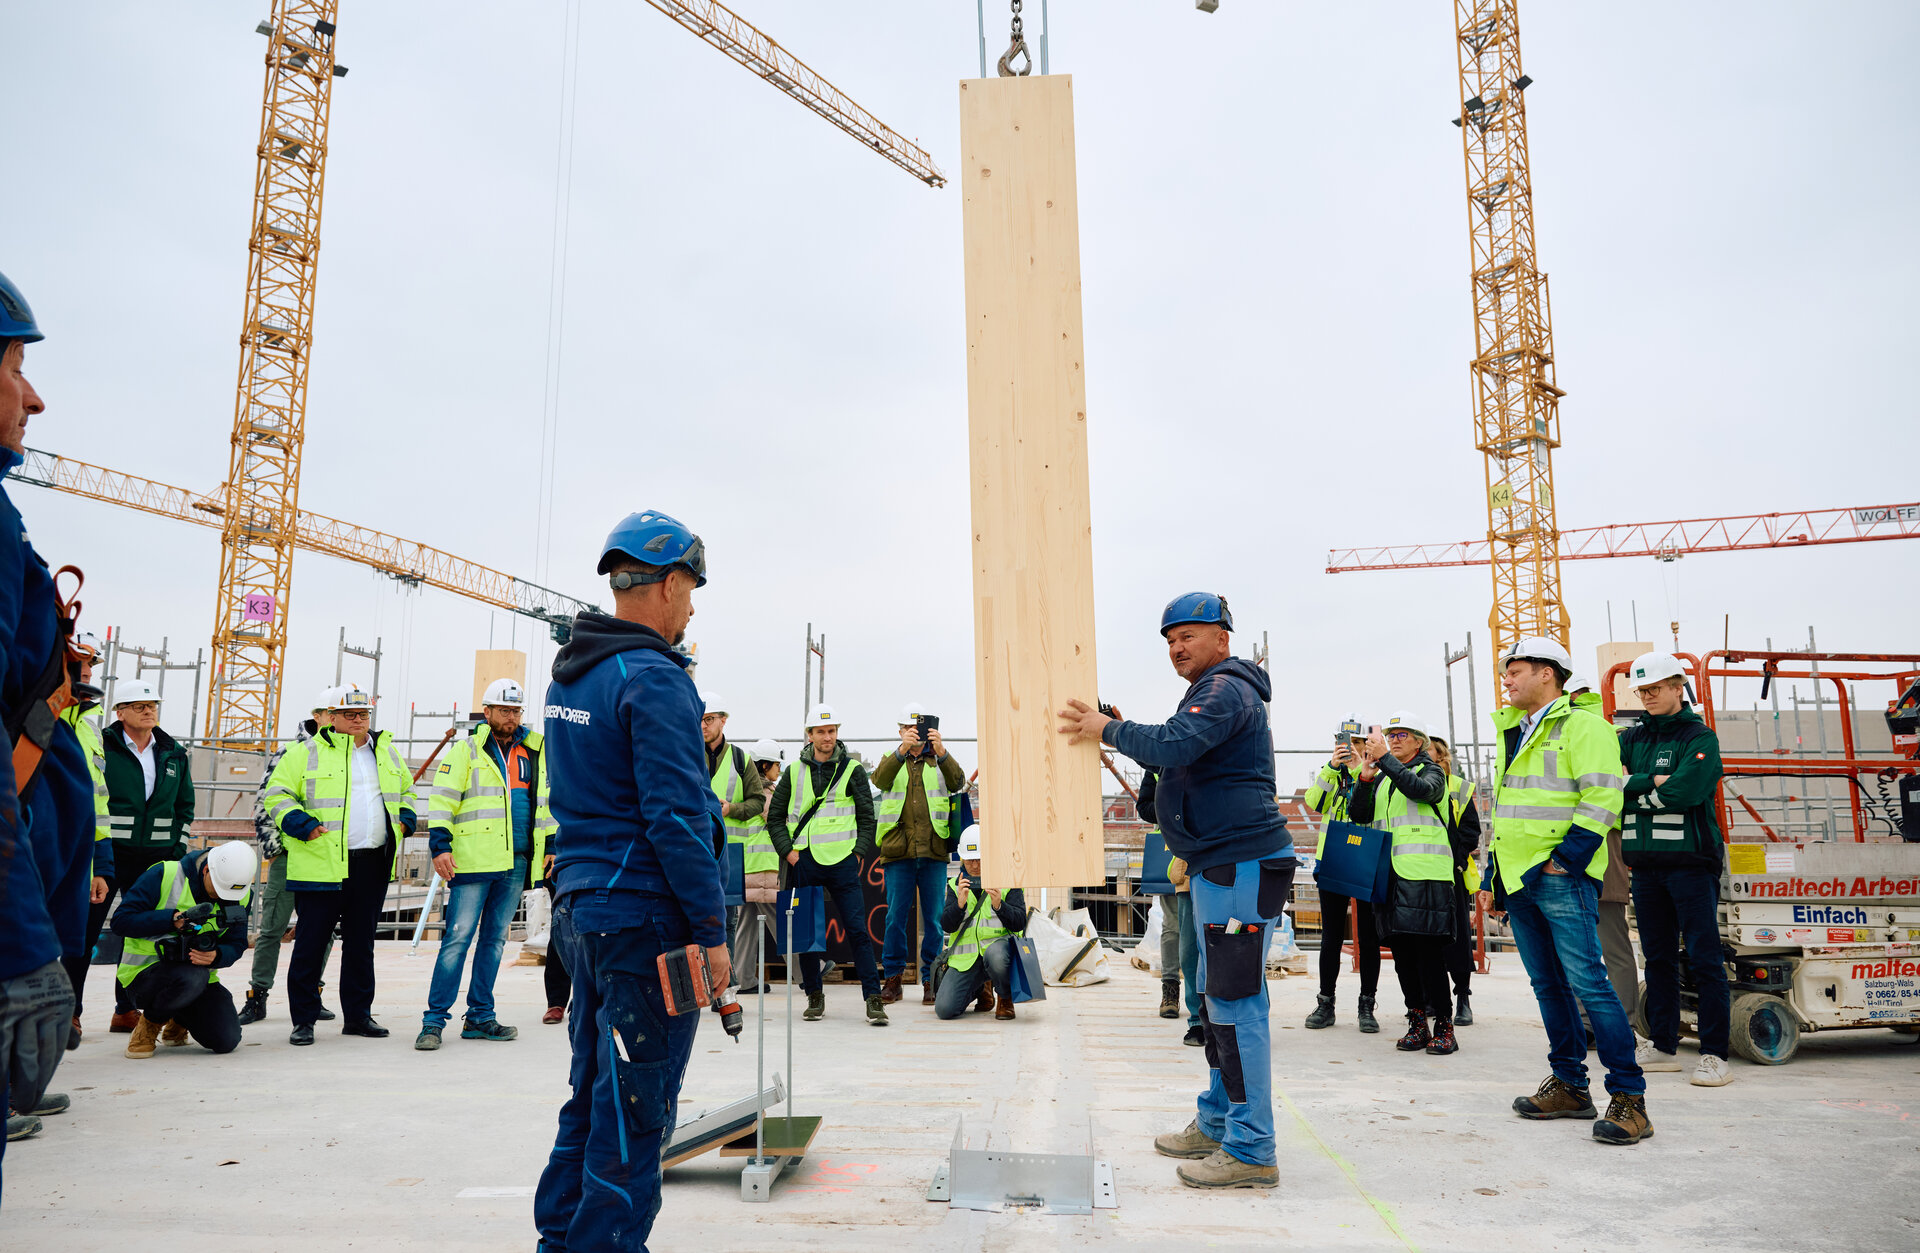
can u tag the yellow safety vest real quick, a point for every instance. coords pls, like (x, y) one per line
(893, 801)
(1462, 792)
(471, 800)
(316, 782)
(85, 722)
(1418, 834)
(1567, 771)
(730, 785)
(138, 951)
(833, 830)
(979, 928)
(1325, 798)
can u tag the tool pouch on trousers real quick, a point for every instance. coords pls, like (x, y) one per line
(1234, 962)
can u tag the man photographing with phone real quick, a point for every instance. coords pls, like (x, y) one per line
(917, 783)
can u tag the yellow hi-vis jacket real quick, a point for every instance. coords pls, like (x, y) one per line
(1327, 796)
(730, 785)
(1461, 790)
(472, 803)
(1561, 793)
(85, 721)
(311, 786)
(980, 927)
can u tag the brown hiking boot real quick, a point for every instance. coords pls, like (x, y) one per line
(1192, 1142)
(1169, 998)
(144, 1036)
(985, 1002)
(1555, 1100)
(173, 1035)
(926, 991)
(1626, 1121)
(890, 990)
(1004, 1011)
(1223, 1170)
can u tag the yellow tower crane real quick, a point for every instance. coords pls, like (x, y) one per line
(1516, 396)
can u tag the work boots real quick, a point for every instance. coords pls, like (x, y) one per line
(1442, 1042)
(1555, 1100)
(1169, 998)
(1322, 1015)
(173, 1035)
(145, 1034)
(1462, 1010)
(926, 990)
(120, 1023)
(816, 1006)
(890, 990)
(1191, 1142)
(1417, 1036)
(1222, 1169)
(985, 1002)
(1368, 1023)
(255, 1009)
(1003, 1012)
(1626, 1121)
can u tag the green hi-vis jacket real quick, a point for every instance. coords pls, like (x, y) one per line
(1671, 824)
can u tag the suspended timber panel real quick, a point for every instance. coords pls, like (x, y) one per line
(1032, 525)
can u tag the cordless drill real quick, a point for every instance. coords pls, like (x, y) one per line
(686, 985)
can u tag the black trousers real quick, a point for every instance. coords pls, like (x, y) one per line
(77, 965)
(1420, 961)
(842, 883)
(179, 992)
(559, 982)
(1333, 933)
(1460, 950)
(355, 908)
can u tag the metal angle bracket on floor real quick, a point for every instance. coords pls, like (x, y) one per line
(1049, 1183)
(709, 1129)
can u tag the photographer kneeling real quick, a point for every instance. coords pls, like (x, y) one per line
(980, 923)
(183, 921)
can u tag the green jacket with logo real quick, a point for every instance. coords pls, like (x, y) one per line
(157, 821)
(1674, 824)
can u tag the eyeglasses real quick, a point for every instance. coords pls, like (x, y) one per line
(353, 713)
(1399, 735)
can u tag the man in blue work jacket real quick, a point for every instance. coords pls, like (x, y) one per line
(636, 876)
(1216, 807)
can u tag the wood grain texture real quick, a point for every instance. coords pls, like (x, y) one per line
(1040, 809)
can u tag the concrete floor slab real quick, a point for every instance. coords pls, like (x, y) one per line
(362, 1144)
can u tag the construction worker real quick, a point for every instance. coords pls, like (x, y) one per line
(276, 902)
(757, 919)
(980, 925)
(917, 783)
(84, 717)
(182, 921)
(1218, 746)
(1672, 841)
(1328, 793)
(821, 821)
(1404, 793)
(149, 799)
(1557, 795)
(46, 812)
(1466, 879)
(742, 793)
(342, 806)
(488, 822)
(636, 878)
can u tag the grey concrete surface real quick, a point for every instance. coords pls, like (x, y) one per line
(360, 1144)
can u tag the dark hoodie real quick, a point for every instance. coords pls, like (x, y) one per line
(1215, 797)
(139, 916)
(630, 785)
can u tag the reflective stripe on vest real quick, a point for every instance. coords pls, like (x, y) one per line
(1419, 840)
(1324, 797)
(319, 782)
(1567, 771)
(139, 952)
(750, 833)
(980, 928)
(470, 800)
(86, 728)
(893, 802)
(832, 831)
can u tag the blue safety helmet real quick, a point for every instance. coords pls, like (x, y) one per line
(16, 319)
(1196, 607)
(654, 539)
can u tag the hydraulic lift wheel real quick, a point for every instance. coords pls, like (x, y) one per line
(1764, 1029)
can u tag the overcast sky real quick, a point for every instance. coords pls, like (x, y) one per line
(763, 325)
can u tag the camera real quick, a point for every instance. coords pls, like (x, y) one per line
(206, 924)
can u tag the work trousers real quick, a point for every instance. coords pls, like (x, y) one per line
(1556, 928)
(1169, 938)
(554, 970)
(959, 987)
(77, 963)
(1420, 963)
(179, 992)
(842, 883)
(1460, 949)
(1333, 937)
(1678, 912)
(276, 911)
(757, 924)
(600, 1192)
(354, 907)
(922, 879)
(1616, 947)
(1237, 1107)
(481, 908)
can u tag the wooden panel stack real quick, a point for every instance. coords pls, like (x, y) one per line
(1032, 523)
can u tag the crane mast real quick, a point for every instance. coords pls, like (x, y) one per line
(1516, 397)
(270, 405)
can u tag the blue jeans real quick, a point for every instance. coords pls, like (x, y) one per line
(1678, 910)
(1556, 927)
(1237, 1107)
(486, 906)
(601, 1188)
(925, 878)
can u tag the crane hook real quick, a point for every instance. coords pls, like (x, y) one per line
(1016, 48)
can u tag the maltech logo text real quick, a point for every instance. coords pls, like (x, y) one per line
(1797, 888)
(1892, 968)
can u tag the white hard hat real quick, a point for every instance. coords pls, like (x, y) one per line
(232, 867)
(822, 716)
(134, 691)
(1579, 683)
(1404, 721)
(349, 696)
(328, 695)
(910, 711)
(1650, 668)
(714, 703)
(970, 843)
(504, 692)
(1540, 648)
(767, 750)
(88, 642)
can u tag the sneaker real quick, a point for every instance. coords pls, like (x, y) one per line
(1626, 1121)
(1462, 1011)
(816, 1006)
(491, 1029)
(1191, 1142)
(1223, 1170)
(1169, 998)
(255, 1009)
(1368, 1023)
(52, 1103)
(1417, 1036)
(1648, 1057)
(876, 1011)
(1555, 1100)
(428, 1040)
(1322, 1015)
(21, 1126)
(1195, 1037)
(1711, 1072)
(1443, 1042)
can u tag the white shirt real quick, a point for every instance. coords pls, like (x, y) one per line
(366, 810)
(1527, 724)
(145, 757)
